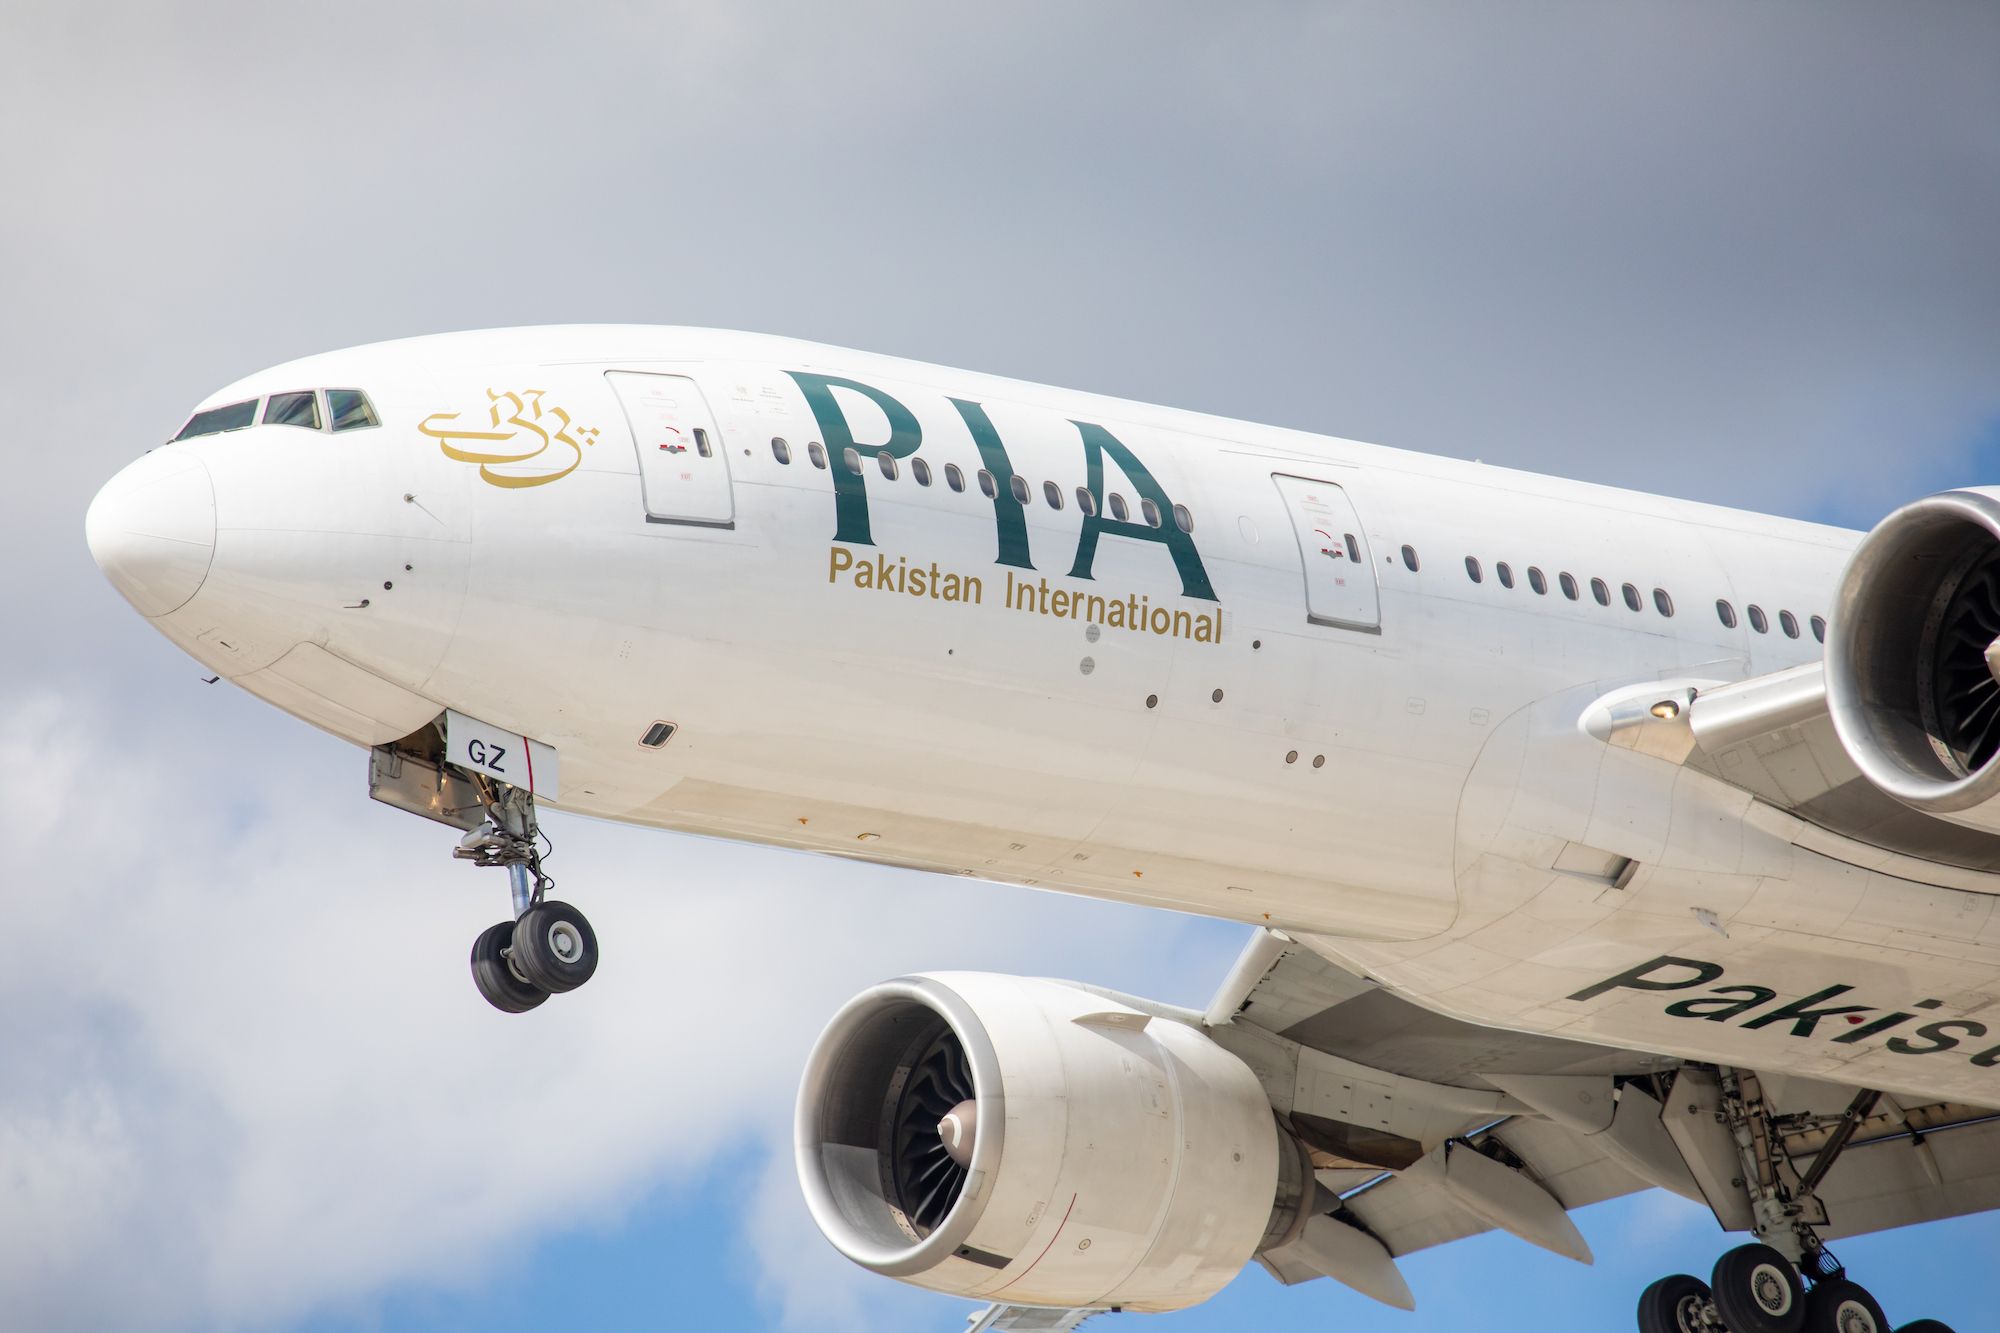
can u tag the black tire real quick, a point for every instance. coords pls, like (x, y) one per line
(1674, 1305)
(1757, 1290)
(1924, 1326)
(497, 981)
(555, 947)
(1840, 1306)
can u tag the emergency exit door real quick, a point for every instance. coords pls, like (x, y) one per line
(1339, 572)
(683, 468)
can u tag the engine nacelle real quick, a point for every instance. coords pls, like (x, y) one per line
(1031, 1142)
(1913, 656)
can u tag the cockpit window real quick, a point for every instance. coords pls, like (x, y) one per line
(219, 419)
(292, 409)
(350, 409)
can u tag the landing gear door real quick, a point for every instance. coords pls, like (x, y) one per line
(683, 468)
(1339, 571)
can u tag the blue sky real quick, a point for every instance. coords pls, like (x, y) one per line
(1741, 254)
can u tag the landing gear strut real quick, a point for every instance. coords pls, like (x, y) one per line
(1763, 1287)
(548, 947)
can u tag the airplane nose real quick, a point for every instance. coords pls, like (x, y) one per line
(152, 530)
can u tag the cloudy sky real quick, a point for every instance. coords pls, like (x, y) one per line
(1743, 253)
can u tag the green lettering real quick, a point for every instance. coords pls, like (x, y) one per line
(850, 491)
(1097, 442)
(1009, 523)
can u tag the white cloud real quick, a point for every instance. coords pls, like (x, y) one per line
(248, 1075)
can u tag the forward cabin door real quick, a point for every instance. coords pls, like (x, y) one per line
(1339, 572)
(683, 468)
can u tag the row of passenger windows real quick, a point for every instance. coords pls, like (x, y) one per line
(1600, 592)
(308, 409)
(989, 485)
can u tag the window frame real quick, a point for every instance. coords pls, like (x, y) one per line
(1567, 582)
(320, 417)
(333, 426)
(256, 406)
(1538, 582)
(1600, 591)
(1726, 613)
(1474, 570)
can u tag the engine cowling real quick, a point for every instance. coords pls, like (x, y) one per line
(1023, 1140)
(1913, 656)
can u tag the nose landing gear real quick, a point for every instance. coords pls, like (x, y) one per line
(549, 947)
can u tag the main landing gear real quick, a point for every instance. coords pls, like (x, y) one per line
(1792, 1284)
(1755, 1289)
(548, 947)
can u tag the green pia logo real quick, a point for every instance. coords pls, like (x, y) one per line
(850, 492)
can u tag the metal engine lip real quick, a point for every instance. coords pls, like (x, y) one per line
(821, 1068)
(1877, 739)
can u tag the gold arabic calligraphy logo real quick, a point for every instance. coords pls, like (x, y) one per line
(536, 430)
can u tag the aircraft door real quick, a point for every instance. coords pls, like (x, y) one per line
(1339, 572)
(683, 468)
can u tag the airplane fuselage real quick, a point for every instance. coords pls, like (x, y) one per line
(929, 618)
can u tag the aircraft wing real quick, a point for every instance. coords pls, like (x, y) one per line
(1026, 1319)
(1571, 1124)
(1771, 736)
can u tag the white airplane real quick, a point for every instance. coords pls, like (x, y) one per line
(1597, 841)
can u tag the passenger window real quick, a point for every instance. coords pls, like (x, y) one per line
(921, 471)
(1353, 547)
(1725, 613)
(1789, 623)
(1663, 603)
(1537, 582)
(1409, 556)
(1118, 510)
(1019, 486)
(1053, 494)
(953, 477)
(1819, 628)
(780, 450)
(350, 409)
(1472, 570)
(1757, 621)
(816, 452)
(1152, 514)
(219, 419)
(1600, 591)
(1506, 573)
(887, 462)
(852, 457)
(293, 409)
(1568, 581)
(1184, 520)
(987, 486)
(1086, 502)
(1632, 597)
(701, 444)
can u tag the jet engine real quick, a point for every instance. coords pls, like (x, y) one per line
(1032, 1142)
(1913, 656)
